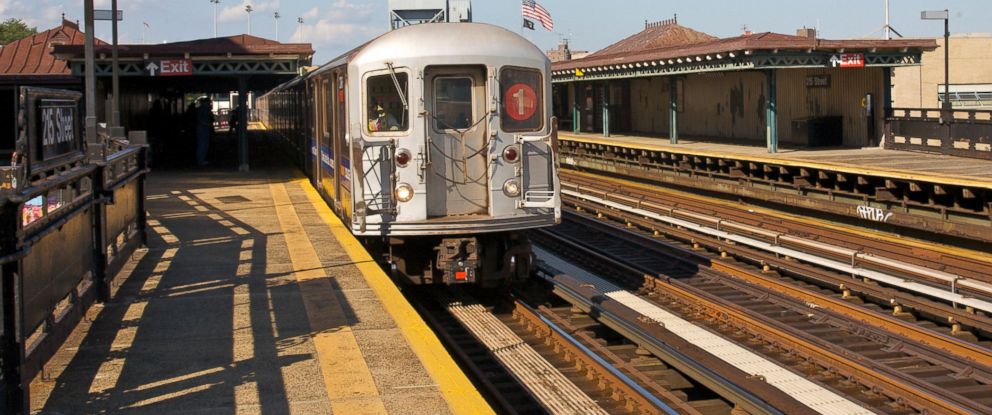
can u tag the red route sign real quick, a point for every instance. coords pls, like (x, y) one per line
(521, 102)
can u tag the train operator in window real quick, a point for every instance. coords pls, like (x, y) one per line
(380, 120)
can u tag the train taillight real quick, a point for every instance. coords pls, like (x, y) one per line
(511, 154)
(403, 157)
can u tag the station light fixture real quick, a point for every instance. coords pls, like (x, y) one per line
(945, 16)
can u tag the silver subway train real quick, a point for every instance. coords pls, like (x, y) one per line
(435, 139)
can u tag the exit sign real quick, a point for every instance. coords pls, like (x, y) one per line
(848, 60)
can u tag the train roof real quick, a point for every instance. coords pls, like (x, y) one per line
(447, 39)
(421, 40)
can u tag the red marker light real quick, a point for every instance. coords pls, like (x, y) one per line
(402, 158)
(461, 275)
(510, 154)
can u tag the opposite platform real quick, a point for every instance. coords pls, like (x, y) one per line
(874, 161)
(251, 298)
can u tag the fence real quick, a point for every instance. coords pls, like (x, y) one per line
(965, 133)
(70, 216)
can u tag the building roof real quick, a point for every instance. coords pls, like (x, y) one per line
(235, 45)
(665, 48)
(662, 34)
(745, 45)
(32, 56)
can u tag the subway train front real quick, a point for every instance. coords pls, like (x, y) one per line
(435, 141)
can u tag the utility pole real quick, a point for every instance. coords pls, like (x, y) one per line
(94, 147)
(115, 115)
(249, 9)
(276, 15)
(888, 29)
(215, 2)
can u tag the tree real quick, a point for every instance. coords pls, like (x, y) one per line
(15, 29)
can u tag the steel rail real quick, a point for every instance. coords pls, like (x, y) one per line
(896, 385)
(970, 352)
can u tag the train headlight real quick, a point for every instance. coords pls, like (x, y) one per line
(402, 157)
(404, 192)
(511, 154)
(511, 188)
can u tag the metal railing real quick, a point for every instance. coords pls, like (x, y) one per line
(69, 221)
(964, 133)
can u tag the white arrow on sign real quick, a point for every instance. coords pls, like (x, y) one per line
(151, 67)
(834, 61)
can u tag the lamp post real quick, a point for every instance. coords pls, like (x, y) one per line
(276, 15)
(215, 2)
(249, 9)
(938, 15)
(300, 21)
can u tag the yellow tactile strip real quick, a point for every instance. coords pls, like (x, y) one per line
(458, 391)
(350, 386)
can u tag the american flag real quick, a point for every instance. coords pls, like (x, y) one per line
(530, 9)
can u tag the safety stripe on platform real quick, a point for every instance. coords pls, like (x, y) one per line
(461, 396)
(347, 378)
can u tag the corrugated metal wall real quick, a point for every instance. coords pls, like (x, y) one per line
(731, 105)
(842, 98)
(649, 106)
(724, 105)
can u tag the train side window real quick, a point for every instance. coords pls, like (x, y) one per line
(453, 103)
(522, 95)
(384, 108)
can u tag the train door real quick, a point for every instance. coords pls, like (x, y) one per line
(458, 177)
(340, 138)
(326, 150)
(316, 168)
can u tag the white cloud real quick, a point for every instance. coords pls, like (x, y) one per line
(342, 26)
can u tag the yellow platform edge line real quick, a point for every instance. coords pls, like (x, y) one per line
(939, 178)
(462, 397)
(344, 369)
(867, 233)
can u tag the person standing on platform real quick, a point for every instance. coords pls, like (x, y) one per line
(204, 129)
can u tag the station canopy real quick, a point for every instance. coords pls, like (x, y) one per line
(667, 48)
(205, 64)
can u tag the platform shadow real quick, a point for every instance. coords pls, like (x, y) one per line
(209, 321)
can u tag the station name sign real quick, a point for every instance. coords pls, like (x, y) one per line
(848, 60)
(52, 130)
(169, 67)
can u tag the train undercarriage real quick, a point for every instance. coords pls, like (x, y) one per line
(486, 260)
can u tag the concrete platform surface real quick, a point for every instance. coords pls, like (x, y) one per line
(248, 302)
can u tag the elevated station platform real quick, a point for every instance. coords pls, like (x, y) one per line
(907, 192)
(938, 168)
(251, 298)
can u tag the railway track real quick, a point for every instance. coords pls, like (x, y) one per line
(885, 371)
(964, 331)
(960, 269)
(540, 354)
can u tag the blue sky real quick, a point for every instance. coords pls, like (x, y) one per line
(334, 26)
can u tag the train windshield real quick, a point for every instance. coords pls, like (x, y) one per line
(453, 103)
(385, 104)
(522, 93)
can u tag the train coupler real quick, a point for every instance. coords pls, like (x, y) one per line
(459, 260)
